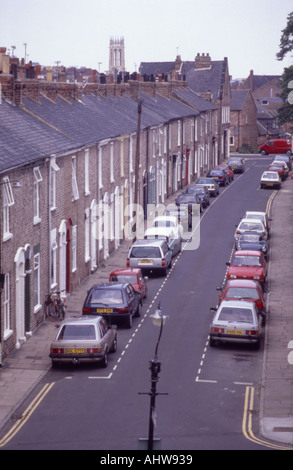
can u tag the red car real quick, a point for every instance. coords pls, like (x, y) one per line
(243, 289)
(279, 169)
(134, 277)
(248, 264)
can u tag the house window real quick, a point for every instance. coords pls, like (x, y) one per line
(37, 179)
(112, 162)
(6, 303)
(53, 169)
(232, 140)
(100, 167)
(74, 248)
(8, 201)
(179, 133)
(37, 301)
(86, 172)
(154, 142)
(75, 193)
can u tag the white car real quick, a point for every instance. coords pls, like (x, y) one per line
(270, 179)
(236, 321)
(250, 225)
(166, 227)
(258, 215)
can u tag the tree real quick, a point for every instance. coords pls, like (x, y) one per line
(285, 113)
(286, 43)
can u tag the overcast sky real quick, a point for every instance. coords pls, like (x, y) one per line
(77, 32)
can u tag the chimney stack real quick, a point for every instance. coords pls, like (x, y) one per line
(202, 62)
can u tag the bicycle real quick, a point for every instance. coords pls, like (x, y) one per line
(55, 306)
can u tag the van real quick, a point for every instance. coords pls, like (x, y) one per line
(150, 255)
(276, 146)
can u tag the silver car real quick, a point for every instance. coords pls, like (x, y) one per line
(86, 339)
(237, 322)
(150, 255)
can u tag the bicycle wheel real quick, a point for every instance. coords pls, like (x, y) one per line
(53, 312)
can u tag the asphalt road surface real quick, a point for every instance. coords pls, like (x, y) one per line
(205, 406)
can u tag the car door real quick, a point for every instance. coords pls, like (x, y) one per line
(133, 299)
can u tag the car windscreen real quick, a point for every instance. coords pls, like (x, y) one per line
(250, 226)
(145, 252)
(231, 314)
(77, 332)
(252, 261)
(242, 293)
(249, 238)
(106, 296)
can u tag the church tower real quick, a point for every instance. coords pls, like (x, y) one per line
(117, 55)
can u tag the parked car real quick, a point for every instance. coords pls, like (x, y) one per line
(284, 158)
(243, 289)
(189, 200)
(237, 322)
(181, 213)
(132, 275)
(276, 146)
(115, 301)
(250, 225)
(169, 234)
(248, 264)
(87, 339)
(279, 169)
(284, 165)
(252, 241)
(150, 255)
(228, 170)
(219, 175)
(210, 183)
(201, 191)
(236, 164)
(270, 179)
(259, 215)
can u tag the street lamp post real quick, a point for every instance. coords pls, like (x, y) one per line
(155, 368)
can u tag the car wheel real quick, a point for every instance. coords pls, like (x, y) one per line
(212, 343)
(129, 321)
(137, 313)
(104, 361)
(114, 345)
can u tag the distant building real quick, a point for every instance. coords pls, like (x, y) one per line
(116, 55)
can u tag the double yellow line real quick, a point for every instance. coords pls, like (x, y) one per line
(269, 203)
(26, 415)
(247, 422)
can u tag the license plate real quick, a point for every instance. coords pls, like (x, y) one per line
(104, 310)
(75, 351)
(270, 184)
(145, 261)
(234, 332)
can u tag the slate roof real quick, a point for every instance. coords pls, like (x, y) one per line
(38, 129)
(238, 98)
(194, 100)
(200, 81)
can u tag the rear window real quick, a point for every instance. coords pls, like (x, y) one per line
(145, 252)
(75, 332)
(106, 296)
(131, 278)
(236, 314)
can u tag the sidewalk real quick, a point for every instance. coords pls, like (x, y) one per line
(25, 367)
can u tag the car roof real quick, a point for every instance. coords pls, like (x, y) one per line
(256, 212)
(125, 271)
(242, 283)
(163, 231)
(236, 304)
(81, 320)
(165, 217)
(144, 242)
(252, 221)
(248, 253)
